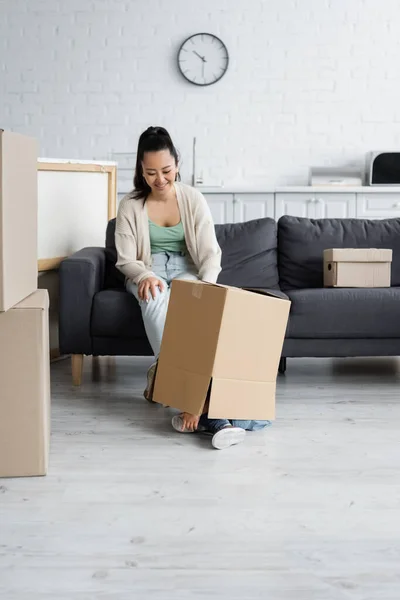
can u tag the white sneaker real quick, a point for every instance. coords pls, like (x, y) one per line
(228, 436)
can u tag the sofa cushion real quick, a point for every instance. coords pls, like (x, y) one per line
(249, 255)
(301, 243)
(344, 313)
(116, 313)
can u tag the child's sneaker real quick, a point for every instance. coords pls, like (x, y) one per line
(228, 436)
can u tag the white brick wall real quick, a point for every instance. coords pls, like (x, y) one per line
(310, 82)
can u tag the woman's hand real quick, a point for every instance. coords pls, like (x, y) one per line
(149, 285)
(190, 422)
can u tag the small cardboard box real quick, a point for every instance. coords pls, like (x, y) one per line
(225, 336)
(25, 387)
(18, 218)
(357, 267)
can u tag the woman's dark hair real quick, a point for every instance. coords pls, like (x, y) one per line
(153, 139)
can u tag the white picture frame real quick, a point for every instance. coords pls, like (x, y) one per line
(76, 199)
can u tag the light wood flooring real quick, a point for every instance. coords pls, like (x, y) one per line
(308, 509)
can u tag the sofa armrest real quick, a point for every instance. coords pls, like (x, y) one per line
(81, 277)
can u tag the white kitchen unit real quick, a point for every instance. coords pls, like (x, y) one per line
(235, 205)
(335, 206)
(221, 206)
(378, 205)
(249, 206)
(315, 205)
(295, 204)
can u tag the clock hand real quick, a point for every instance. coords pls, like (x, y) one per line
(197, 54)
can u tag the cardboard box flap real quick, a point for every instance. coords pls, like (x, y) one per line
(192, 342)
(263, 291)
(184, 390)
(204, 283)
(358, 255)
(253, 400)
(39, 300)
(197, 287)
(255, 290)
(251, 336)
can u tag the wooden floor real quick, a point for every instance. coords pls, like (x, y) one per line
(308, 509)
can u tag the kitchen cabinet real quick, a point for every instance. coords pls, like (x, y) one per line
(247, 206)
(315, 205)
(236, 206)
(221, 206)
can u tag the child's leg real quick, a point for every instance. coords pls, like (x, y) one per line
(224, 434)
(212, 425)
(251, 425)
(203, 424)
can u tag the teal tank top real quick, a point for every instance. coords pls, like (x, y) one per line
(166, 239)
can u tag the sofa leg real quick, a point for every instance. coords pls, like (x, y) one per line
(77, 366)
(282, 365)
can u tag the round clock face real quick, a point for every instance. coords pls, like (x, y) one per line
(203, 59)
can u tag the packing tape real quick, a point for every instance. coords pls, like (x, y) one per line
(197, 291)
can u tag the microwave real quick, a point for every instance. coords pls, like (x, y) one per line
(382, 168)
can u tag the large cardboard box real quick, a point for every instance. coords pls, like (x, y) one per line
(25, 387)
(357, 267)
(223, 336)
(18, 218)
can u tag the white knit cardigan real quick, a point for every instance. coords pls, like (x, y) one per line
(132, 238)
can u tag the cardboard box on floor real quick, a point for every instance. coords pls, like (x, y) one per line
(25, 387)
(225, 336)
(357, 267)
(18, 218)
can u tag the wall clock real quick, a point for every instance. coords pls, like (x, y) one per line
(203, 59)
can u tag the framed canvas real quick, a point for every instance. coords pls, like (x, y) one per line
(76, 199)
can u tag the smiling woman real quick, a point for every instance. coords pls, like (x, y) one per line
(157, 162)
(165, 231)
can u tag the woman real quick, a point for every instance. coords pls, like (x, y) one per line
(165, 231)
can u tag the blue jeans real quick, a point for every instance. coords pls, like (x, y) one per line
(166, 266)
(214, 425)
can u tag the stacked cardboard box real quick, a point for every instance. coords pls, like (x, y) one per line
(24, 347)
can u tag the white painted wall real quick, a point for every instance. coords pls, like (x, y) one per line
(310, 82)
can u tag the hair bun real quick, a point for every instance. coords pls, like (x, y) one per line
(158, 131)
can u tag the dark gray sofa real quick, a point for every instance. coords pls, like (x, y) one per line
(98, 317)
